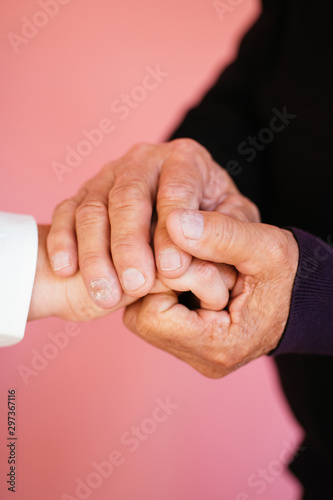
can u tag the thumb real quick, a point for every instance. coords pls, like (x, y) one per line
(219, 238)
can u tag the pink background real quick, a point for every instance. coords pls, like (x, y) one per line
(74, 410)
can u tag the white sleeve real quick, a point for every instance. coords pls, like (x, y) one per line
(18, 259)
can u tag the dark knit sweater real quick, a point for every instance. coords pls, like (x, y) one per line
(269, 121)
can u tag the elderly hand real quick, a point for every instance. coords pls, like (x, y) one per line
(105, 230)
(218, 342)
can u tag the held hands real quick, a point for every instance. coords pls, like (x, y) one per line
(124, 196)
(251, 263)
(112, 215)
(218, 342)
(68, 297)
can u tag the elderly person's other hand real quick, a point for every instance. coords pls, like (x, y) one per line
(218, 342)
(105, 230)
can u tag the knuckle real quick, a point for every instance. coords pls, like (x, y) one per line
(145, 327)
(186, 144)
(89, 260)
(138, 149)
(66, 206)
(128, 194)
(276, 247)
(122, 246)
(175, 190)
(89, 209)
(128, 244)
(83, 191)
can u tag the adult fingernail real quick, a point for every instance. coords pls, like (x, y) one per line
(60, 260)
(192, 225)
(170, 259)
(100, 289)
(132, 279)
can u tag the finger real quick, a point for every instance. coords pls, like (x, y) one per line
(213, 236)
(61, 240)
(210, 283)
(130, 211)
(162, 319)
(189, 179)
(192, 336)
(93, 235)
(76, 304)
(181, 186)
